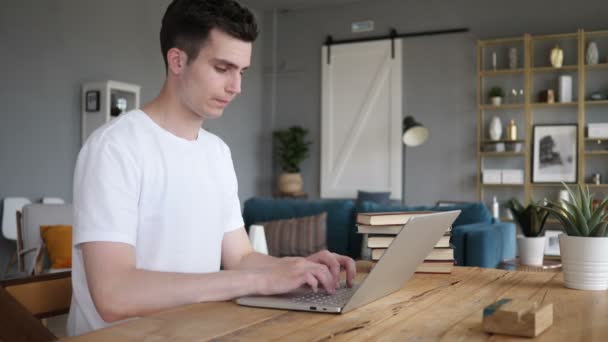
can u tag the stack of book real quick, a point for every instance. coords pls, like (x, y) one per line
(379, 230)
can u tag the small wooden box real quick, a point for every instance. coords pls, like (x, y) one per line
(517, 317)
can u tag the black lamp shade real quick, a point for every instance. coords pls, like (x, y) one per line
(414, 133)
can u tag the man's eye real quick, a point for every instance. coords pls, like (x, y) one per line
(220, 69)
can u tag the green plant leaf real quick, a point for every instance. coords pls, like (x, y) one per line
(600, 231)
(559, 213)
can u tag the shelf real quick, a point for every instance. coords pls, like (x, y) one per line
(556, 104)
(551, 68)
(502, 154)
(596, 102)
(596, 153)
(504, 106)
(502, 185)
(596, 185)
(549, 185)
(502, 72)
(501, 141)
(598, 140)
(597, 66)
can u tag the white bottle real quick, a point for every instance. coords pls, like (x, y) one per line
(495, 208)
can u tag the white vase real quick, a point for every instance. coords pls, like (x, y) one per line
(584, 262)
(496, 100)
(593, 55)
(495, 128)
(531, 250)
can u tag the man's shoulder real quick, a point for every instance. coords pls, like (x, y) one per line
(120, 130)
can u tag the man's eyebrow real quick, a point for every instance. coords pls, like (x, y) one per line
(228, 63)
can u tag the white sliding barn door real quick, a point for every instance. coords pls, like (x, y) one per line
(361, 119)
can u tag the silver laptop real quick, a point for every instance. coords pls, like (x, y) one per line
(413, 243)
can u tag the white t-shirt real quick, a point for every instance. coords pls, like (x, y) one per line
(170, 198)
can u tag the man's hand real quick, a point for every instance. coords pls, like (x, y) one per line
(335, 263)
(288, 274)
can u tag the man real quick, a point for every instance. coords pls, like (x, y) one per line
(156, 210)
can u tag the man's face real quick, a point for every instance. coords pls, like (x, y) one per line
(213, 79)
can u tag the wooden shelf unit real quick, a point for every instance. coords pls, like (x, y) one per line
(533, 70)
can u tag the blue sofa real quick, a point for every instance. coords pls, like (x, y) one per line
(477, 238)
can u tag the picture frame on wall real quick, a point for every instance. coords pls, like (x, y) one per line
(92, 101)
(555, 153)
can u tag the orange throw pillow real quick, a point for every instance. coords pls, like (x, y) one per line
(58, 242)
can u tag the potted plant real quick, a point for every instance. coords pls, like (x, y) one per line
(496, 95)
(584, 247)
(531, 219)
(292, 149)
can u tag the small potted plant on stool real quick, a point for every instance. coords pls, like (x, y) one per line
(531, 220)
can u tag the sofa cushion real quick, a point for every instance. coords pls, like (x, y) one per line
(301, 236)
(340, 217)
(474, 212)
(382, 198)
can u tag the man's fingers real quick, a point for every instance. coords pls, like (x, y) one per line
(312, 282)
(321, 272)
(351, 269)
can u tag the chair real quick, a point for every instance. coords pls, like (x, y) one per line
(10, 205)
(34, 216)
(23, 302)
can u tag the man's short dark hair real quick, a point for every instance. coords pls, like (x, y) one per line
(187, 23)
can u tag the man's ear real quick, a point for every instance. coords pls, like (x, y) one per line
(176, 60)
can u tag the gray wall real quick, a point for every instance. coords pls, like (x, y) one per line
(49, 48)
(439, 74)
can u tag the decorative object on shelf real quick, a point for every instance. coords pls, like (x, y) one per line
(584, 247)
(495, 128)
(496, 94)
(292, 149)
(495, 208)
(550, 96)
(511, 130)
(597, 130)
(513, 58)
(531, 219)
(554, 156)
(92, 101)
(565, 88)
(513, 146)
(593, 55)
(557, 57)
(414, 134)
(597, 97)
(596, 179)
(494, 61)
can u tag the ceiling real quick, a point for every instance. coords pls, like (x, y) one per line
(294, 4)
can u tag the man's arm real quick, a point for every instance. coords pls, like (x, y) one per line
(120, 291)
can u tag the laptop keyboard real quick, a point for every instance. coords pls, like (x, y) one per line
(342, 295)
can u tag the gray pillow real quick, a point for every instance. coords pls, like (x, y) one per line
(382, 198)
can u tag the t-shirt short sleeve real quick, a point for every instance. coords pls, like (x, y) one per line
(233, 216)
(106, 188)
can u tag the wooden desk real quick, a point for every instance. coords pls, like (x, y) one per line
(429, 307)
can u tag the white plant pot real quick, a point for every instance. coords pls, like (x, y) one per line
(531, 250)
(584, 262)
(496, 100)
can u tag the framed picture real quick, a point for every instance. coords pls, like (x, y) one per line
(554, 157)
(552, 242)
(92, 101)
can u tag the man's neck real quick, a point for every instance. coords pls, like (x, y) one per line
(170, 114)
